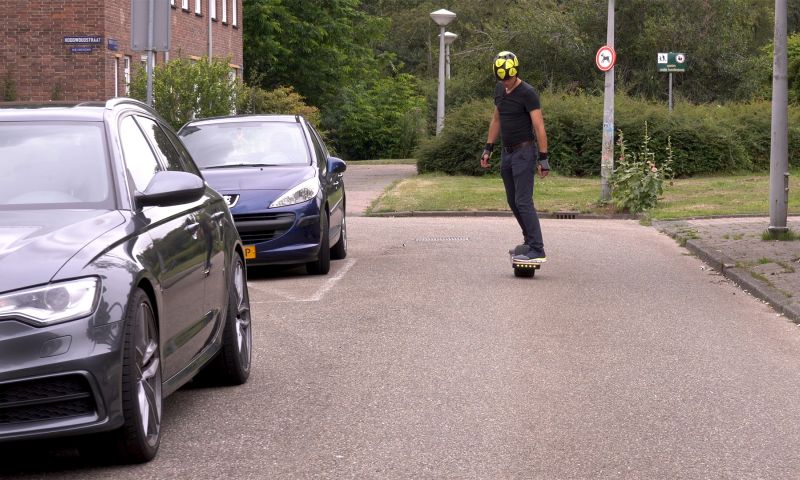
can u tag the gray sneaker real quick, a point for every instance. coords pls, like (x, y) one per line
(530, 258)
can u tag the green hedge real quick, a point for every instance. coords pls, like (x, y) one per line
(705, 138)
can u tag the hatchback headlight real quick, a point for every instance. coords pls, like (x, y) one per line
(54, 303)
(298, 194)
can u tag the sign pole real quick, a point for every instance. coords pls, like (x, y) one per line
(150, 59)
(607, 155)
(670, 92)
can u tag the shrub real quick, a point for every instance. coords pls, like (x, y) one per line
(184, 89)
(638, 178)
(9, 88)
(456, 151)
(282, 100)
(384, 119)
(708, 138)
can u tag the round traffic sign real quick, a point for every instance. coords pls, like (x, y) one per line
(680, 58)
(606, 58)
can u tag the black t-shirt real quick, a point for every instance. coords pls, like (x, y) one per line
(514, 108)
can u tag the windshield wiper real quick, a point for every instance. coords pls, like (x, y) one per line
(234, 165)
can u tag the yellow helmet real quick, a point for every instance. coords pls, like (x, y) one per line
(506, 64)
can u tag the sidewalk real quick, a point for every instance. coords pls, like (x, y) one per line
(769, 270)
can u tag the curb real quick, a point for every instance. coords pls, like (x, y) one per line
(505, 213)
(741, 276)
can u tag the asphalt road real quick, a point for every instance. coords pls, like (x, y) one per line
(422, 356)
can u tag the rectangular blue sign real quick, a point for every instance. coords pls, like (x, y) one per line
(81, 49)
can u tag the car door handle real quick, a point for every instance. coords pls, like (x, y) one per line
(191, 227)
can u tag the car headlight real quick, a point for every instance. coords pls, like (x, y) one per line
(298, 194)
(54, 303)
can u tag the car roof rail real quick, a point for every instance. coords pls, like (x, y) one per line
(116, 101)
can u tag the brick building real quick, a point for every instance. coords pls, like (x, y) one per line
(81, 49)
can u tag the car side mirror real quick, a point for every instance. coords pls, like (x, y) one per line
(336, 165)
(169, 188)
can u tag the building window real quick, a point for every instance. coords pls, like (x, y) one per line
(126, 69)
(185, 4)
(213, 8)
(198, 7)
(224, 11)
(172, 3)
(233, 12)
(116, 76)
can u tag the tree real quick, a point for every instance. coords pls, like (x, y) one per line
(316, 47)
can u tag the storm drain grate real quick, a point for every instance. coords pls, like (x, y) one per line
(442, 239)
(564, 215)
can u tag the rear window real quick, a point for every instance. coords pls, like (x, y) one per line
(54, 165)
(246, 143)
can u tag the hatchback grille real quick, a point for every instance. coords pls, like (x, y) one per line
(262, 227)
(45, 399)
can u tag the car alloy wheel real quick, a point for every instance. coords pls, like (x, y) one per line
(232, 365)
(239, 316)
(140, 434)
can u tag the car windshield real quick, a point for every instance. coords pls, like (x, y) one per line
(53, 165)
(219, 145)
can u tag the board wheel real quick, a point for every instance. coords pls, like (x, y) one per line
(524, 272)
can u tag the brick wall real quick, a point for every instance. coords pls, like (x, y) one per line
(36, 64)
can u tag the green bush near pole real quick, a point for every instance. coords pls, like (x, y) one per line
(705, 139)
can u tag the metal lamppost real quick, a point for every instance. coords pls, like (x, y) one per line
(442, 18)
(449, 38)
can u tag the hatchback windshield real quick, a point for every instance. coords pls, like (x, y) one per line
(222, 145)
(52, 165)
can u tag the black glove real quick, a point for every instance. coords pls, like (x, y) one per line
(487, 150)
(543, 161)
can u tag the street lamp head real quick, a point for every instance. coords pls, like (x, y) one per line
(449, 38)
(443, 17)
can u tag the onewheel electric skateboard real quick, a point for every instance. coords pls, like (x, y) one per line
(523, 268)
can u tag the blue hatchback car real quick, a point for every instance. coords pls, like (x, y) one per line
(285, 191)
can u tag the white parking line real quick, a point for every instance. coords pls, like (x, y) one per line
(284, 296)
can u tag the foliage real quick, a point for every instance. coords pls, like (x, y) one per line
(457, 149)
(638, 179)
(316, 47)
(329, 50)
(282, 100)
(711, 138)
(384, 119)
(9, 88)
(793, 67)
(184, 89)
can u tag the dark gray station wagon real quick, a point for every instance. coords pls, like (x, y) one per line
(123, 276)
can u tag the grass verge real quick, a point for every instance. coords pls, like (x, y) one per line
(743, 194)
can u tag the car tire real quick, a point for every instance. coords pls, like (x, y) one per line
(138, 439)
(231, 366)
(339, 251)
(322, 265)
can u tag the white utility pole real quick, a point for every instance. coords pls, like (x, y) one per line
(607, 156)
(779, 145)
